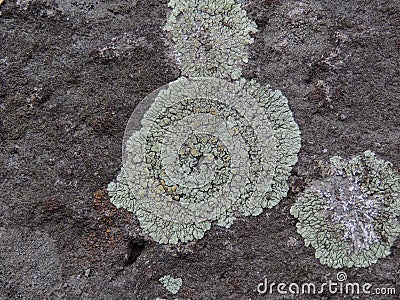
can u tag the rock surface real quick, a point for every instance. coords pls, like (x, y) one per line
(72, 72)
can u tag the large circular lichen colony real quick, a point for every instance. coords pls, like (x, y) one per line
(210, 37)
(351, 216)
(207, 149)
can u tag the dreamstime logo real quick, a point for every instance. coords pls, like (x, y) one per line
(339, 286)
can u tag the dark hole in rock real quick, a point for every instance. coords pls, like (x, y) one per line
(134, 249)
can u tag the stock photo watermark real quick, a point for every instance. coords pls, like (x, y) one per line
(339, 286)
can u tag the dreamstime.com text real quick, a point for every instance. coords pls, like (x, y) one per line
(339, 286)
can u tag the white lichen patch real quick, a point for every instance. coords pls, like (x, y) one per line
(207, 151)
(210, 37)
(355, 211)
(351, 216)
(173, 285)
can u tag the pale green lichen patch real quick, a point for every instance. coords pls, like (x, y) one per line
(351, 216)
(210, 37)
(286, 133)
(173, 285)
(205, 149)
(208, 150)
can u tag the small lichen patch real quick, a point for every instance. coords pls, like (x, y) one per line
(173, 285)
(351, 216)
(210, 37)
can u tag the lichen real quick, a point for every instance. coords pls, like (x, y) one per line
(173, 285)
(208, 150)
(203, 149)
(210, 37)
(286, 133)
(350, 217)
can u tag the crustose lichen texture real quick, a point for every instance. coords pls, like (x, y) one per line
(204, 149)
(207, 149)
(210, 37)
(351, 216)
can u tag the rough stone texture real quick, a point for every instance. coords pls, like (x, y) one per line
(67, 89)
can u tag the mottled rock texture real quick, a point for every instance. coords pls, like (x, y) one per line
(72, 72)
